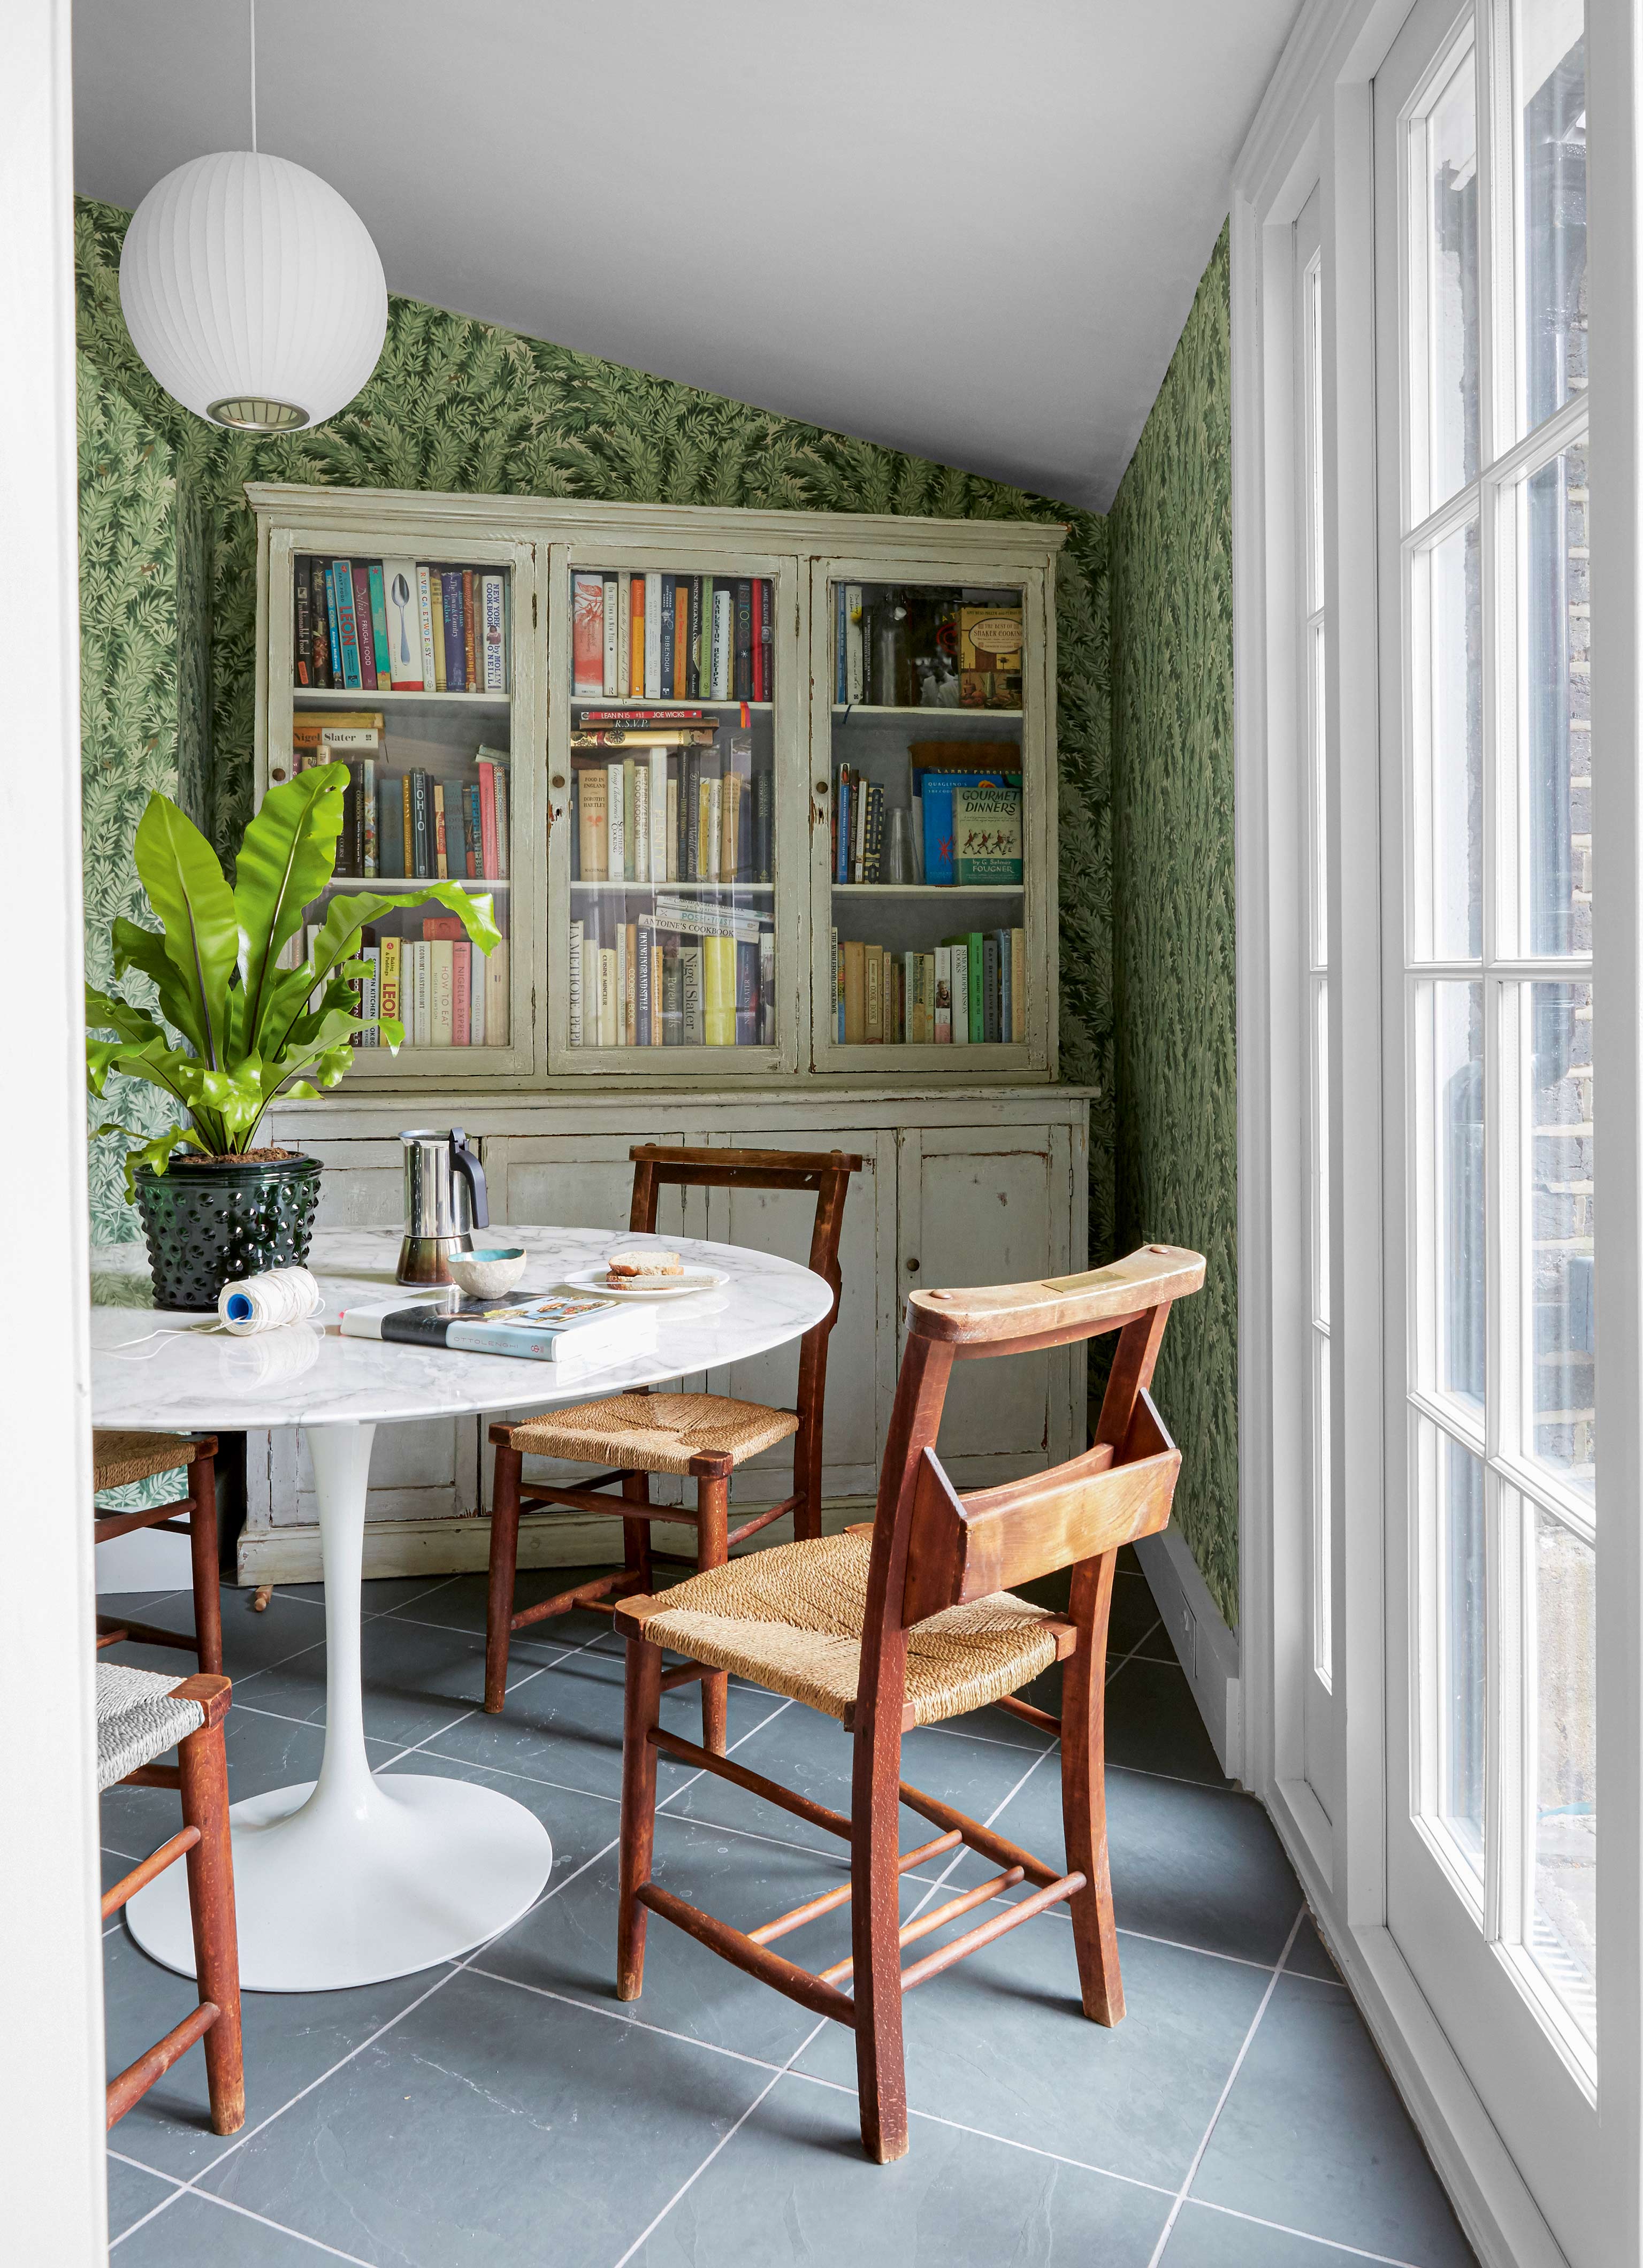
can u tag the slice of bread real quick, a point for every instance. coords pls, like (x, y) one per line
(642, 1267)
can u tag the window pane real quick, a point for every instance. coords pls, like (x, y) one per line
(1450, 1185)
(1321, 1150)
(1319, 864)
(1449, 814)
(1558, 1336)
(1555, 699)
(1456, 1619)
(1313, 291)
(1563, 1928)
(1548, 62)
(1451, 313)
(1322, 1610)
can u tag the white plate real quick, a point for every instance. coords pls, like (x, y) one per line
(671, 1287)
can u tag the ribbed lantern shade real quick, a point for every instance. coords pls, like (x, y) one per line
(253, 292)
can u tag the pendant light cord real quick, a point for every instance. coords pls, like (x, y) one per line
(254, 78)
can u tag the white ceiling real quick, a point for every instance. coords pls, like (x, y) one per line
(970, 229)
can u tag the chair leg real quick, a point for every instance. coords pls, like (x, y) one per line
(1084, 1793)
(642, 1708)
(875, 1926)
(504, 1553)
(635, 1533)
(203, 1547)
(203, 1772)
(807, 1481)
(712, 1506)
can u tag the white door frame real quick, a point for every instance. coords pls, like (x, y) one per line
(1315, 128)
(51, 2005)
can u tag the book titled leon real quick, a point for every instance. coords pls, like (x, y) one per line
(539, 1326)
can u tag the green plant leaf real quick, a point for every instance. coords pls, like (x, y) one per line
(286, 858)
(107, 1012)
(144, 950)
(184, 882)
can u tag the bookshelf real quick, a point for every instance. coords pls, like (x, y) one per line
(687, 705)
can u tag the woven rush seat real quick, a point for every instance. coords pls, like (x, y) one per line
(139, 1716)
(653, 1433)
(118, 1459)
(791, 1619)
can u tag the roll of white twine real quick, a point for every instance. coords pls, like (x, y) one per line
(264, 1303)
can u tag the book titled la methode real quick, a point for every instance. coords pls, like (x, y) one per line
(538, 1326)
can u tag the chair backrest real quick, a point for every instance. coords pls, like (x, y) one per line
(933, 1548)
(657, 1164)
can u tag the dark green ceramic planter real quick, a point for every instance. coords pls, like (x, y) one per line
(207, 1225)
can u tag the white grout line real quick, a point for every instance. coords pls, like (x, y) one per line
(729, 2135)
(1221, 2103)
(620, 2016)
(477, 1710)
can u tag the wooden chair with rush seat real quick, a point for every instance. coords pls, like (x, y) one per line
(118, 1458)
(907, 1623)
(702, 1436)
(139, 1716)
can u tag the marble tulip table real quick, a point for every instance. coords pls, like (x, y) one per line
(357, 1877)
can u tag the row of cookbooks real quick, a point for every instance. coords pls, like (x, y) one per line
(672, 638)
(393, 625)
(678, 972)
(409, 824)
(968, 990)
(669, 805)
(966, 817)
(439, 986)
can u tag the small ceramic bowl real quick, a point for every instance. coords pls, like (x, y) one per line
(486, 1275)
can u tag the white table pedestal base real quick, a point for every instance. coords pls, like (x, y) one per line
(432, 1869)
(351, 1879)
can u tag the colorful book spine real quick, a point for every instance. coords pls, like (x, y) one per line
(470, 642)
(612, 618)
(495, 615)
(400, 590)
(478, 986)
(679, 686)
(390, 799)
(365, 634)
(450, 596)
(487, 820)
(654, 620)
(389, 980)
(424, 623)
(724, 642)
(741, 666)
(696, 687)
(342, 589)
(441, 870)
(380, 624)
(461, 991)
(302, 628)
(422, 836)
(587, 635)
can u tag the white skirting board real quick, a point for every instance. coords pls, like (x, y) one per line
(443, 1547)
(1206, 1649)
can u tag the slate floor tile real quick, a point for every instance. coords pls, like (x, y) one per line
(460, 1605)
(1313, 2136)
(1195, 1865)
(1152, 1724)
(194, 2233)
(1001, 2043)
(569, 1943)
(1203, 2239)
(492, 2126)
(1310, 1956)
(791, 2187)
(132, 2192)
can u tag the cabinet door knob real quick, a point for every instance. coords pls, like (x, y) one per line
(558, 779)
(821, 787)
(912, 1268)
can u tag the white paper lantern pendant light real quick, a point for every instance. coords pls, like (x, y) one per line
(252, 291)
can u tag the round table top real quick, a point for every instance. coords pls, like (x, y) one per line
(195, 1380)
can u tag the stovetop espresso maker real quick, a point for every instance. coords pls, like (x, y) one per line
(445, 1199)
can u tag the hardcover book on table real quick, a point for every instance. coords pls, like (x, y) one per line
(562, 1328)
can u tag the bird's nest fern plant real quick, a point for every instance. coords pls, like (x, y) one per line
(234, 1031)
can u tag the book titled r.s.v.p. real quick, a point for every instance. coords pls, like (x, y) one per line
(537, 1326)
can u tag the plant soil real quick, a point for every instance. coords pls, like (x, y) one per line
(235, 1157)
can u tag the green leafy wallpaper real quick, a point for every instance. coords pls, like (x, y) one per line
(456, 404)
(1170, 594)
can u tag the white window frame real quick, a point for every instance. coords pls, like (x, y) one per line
(1314, 127)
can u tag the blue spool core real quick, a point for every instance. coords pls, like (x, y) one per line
(239, 1308)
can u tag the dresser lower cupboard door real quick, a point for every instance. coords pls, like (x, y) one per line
(983, 1207)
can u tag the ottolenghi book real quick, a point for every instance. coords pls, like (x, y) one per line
(539, 1326)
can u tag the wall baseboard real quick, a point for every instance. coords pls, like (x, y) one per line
(462, 1547)
(1206, 1649)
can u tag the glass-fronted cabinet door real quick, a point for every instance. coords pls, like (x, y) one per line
(414, 663)
(933, 841)
(675, 744)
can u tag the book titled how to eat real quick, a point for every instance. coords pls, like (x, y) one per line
(538, 1326)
